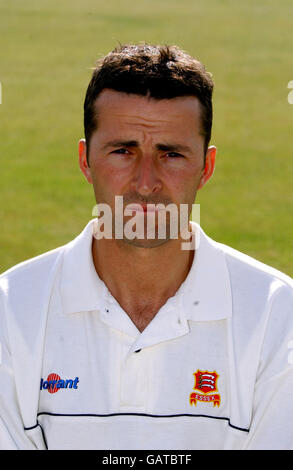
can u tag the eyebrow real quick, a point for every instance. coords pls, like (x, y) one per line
(171, 147)
(121, 143)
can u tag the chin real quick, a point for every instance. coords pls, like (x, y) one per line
(146, 243)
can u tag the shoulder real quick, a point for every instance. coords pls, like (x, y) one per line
(31, 281)
(26, 288)
(254, 287)
(242, 268)
(251, 269)
(258, 289)
(31, 272)
(25, 291)
(262, 299)
(28, 285)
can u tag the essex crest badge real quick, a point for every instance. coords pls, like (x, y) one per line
(206, 384)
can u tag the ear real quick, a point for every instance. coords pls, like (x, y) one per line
(209, 166)
(83, 164)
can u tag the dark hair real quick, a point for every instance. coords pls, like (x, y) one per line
(155, 71)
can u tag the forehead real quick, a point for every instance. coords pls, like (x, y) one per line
(118, 110)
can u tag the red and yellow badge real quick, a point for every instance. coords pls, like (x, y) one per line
(205, 382)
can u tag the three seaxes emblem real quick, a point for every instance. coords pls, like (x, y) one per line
(206, 383)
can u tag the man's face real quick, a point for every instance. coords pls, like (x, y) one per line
(148, 151)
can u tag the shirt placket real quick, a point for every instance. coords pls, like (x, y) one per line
(133, 381)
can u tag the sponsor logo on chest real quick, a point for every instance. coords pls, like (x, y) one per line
(54, 383)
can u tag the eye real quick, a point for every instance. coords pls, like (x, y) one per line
(121, 151)
(174, 155)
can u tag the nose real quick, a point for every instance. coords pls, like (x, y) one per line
(146, 180)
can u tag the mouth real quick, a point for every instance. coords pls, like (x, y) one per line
(145, 208)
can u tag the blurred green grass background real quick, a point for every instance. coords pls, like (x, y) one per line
(47, 49)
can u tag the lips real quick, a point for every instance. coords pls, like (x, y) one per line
(142, 207)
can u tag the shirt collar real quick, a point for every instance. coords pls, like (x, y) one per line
(205, 294)
(81, 288)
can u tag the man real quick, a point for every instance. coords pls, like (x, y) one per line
(122, 342)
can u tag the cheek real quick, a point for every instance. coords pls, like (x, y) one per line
(108, 182)
(183, 184)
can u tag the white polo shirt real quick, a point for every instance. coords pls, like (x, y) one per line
(212, 370)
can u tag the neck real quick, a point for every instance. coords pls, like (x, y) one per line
(141, 279)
